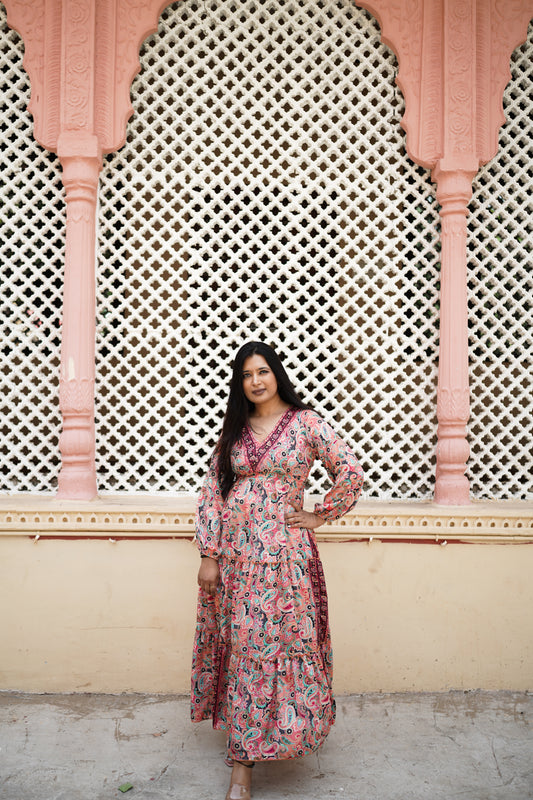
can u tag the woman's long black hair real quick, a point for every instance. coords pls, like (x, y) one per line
(239, 407)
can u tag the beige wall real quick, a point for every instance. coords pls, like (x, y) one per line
(97, 616)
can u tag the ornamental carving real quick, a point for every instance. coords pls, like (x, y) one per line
(79, 57)
(76, 397)
(104, 36)
(461, 78)
(136, 20)
(431, 145)
(507, 29)
(402, 30)
(454, 225)
(424, 522)
(453, 405)
(39, 24)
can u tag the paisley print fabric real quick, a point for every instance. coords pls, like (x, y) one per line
(262, 662)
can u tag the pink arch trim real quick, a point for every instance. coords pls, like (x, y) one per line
(453, 60)
(81, 57)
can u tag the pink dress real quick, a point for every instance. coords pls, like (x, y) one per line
(262, 664)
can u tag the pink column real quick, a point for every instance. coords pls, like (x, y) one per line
(81, 56)
(80, 154)
(453, 174)
(81, 161)
(454, 189)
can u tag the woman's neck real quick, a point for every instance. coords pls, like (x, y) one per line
(273, 408)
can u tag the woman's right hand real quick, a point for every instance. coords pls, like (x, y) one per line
(209, 575)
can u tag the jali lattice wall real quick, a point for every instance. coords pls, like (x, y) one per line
(32, 230)
(264, 192)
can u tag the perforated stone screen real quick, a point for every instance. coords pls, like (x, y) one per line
(264, 193)
(500, 291)
(32, 230)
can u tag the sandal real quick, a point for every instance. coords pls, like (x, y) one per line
(237, 791)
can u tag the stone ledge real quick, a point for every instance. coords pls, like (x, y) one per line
(128, 517)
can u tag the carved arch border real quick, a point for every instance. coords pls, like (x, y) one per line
(81, 57)
(423, 34)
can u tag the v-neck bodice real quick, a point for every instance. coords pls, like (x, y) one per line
(255, 449)
(270, 478)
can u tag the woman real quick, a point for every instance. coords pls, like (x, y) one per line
(262, 665)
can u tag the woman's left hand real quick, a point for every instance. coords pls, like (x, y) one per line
(298, 518)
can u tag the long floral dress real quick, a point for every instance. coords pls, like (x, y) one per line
(262, 664)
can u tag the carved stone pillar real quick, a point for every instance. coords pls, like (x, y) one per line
(77, 478)
(454, 190)
(454, 65)
(81, 56)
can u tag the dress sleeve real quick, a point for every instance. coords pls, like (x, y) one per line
(208, 514)
(342, 467)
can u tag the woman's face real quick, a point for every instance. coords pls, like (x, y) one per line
(258, 380)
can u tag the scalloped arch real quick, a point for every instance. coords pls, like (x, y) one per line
(424, 35)
(438, 44)
(128, 45)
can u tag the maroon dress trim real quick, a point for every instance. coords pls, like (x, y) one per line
(254, 452)
(219, 673)
(318, 583)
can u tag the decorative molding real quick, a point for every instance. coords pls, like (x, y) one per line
(428, 126)
(136, 19)
(453, 225)
(460, 80)
(507, 28)
(453, 60)
(87, 66)
(403, 28)
(78, 67)
(124, 518)
(453, 405)
(81, 57)
(76, 397)
(39, 23)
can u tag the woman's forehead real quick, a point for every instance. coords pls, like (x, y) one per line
(254, 362)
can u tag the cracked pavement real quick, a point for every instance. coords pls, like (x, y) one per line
(466, 745)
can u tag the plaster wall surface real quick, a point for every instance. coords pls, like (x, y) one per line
(97, 616)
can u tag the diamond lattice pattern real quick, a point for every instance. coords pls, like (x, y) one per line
(264, 193)
(500, 291)
(32, 230)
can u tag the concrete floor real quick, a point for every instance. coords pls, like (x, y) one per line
(451, 746)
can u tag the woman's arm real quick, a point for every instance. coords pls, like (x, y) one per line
(209, 514)
(342, 466)
(208, 518)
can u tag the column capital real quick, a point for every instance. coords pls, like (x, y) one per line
(453, 60)
(81, 58)
(81, 144)
(454, 188)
